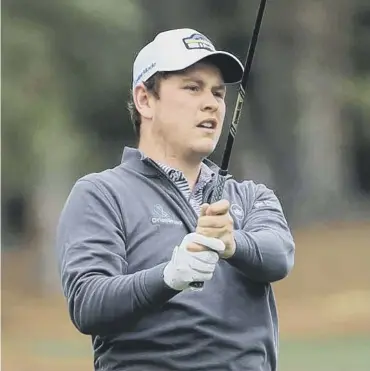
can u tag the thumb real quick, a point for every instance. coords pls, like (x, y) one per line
(203, 209)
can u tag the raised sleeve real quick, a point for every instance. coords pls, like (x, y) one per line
(91, 246)
(264, 245)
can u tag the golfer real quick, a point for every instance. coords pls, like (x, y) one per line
(133, 239)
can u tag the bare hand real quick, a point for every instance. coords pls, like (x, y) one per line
(216, 221)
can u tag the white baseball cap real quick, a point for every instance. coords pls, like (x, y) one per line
(177, 49)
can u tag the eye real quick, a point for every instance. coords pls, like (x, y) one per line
(192, 87)
(219, 94)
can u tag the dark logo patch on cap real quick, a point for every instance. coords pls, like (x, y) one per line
(198, 41)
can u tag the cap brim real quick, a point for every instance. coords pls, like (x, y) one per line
(230, 66)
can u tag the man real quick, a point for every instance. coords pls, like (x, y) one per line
(133, 239)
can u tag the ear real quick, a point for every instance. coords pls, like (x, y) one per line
(143, 101)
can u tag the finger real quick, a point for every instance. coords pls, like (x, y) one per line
(209, 257)
(214, 221)
(195, 247)
(203, 210)
(211, 232)
(218, 208)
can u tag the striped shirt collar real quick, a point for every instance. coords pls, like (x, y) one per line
(205, 175)
(195, 196)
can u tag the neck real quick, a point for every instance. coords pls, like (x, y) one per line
(188, 166)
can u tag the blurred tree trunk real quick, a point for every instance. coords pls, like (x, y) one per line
(57, 174)
(322, 33)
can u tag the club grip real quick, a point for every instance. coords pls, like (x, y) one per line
(219, 188)
(216, 196)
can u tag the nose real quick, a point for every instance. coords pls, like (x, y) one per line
(210, 103)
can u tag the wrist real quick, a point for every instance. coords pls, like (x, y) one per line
(168, 278)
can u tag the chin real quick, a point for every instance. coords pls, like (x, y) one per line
(204, 149)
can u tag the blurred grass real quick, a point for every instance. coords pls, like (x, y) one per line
(330, 354)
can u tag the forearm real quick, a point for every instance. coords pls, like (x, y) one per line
(91, 243)
(265, 255)
(100, 305)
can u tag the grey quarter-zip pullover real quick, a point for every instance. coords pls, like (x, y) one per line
(117, 232)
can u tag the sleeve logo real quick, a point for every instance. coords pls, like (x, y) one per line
(237, 211)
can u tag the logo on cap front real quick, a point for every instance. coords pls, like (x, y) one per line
(198, 41)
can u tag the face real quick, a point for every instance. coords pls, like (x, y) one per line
(187, 118)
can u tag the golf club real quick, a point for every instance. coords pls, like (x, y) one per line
(223, 171)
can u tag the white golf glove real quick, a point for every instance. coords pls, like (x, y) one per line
(187, 266)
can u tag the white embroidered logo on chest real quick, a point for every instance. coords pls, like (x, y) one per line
(160, 216)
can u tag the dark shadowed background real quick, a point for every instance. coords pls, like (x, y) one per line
(304, 132)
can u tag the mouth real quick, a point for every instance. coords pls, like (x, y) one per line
(208, 125)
